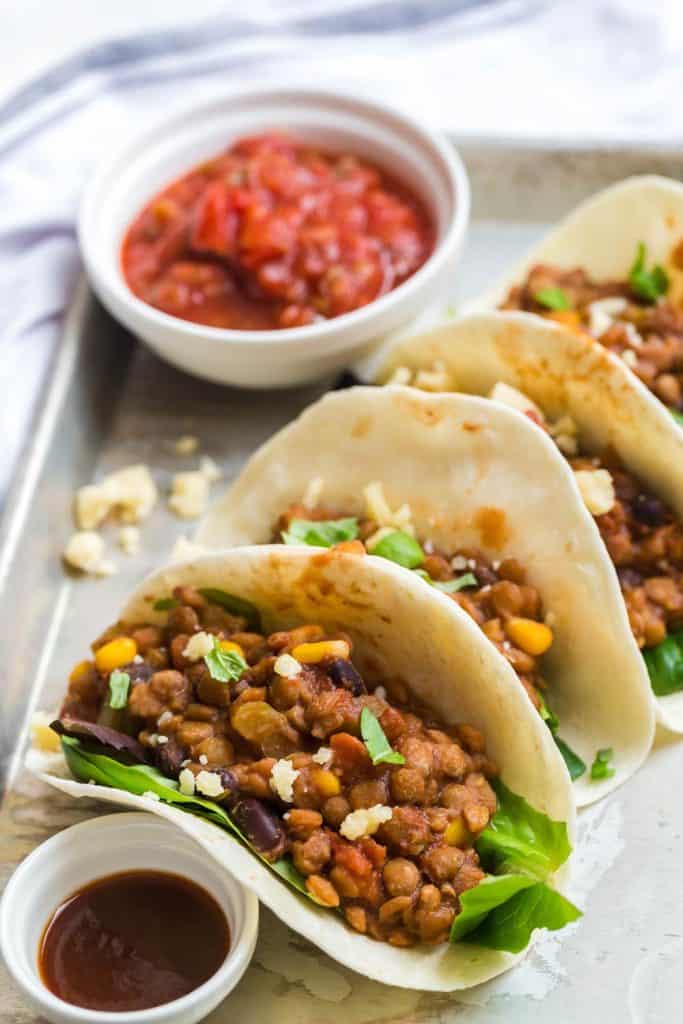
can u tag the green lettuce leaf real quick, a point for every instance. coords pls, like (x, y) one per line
(164, 604)
(378, 746)
(552, 298)
(401, 548)
(648, 285)
(510, 922)
(521, 840)
(477, 903)
(321, 534)
(234, 605)
(224, 666)
(665, 665)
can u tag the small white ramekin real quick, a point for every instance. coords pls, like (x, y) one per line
(423, 160)
(104, 846)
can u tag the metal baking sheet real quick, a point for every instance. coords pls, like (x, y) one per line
(109, 403)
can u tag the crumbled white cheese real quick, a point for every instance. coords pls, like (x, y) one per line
(209, 783)
(186, 445)
(323, 755)
(283, 775)
(597, 490)
(203, 759)
(313, 492)
(149, 795)
(471, 563)
(186, 782)
(85, 551)
(42, 736)
(129, 539)
(189, 494)
(632, 333)
(129, 493)
(514, 399)
(185, 549)
(164, 717)
(436, 379)
(209, 469)
(458, 562)
(400, 377)
(565, 434)
(629, 357)
(364, 822)
(379, 510)
(550, 619)
(287, 666)
(380, 692)
(161, 739)
(138, 659)
(198, 646)
(495, 564)
(602, 313)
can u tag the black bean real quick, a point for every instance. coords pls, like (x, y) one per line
(230, 787)
(649, 510)
(168, 757)
(261, 827)
(629, 577)
(138, 672)
(343, 674)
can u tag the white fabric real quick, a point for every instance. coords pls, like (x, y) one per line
(595, 70)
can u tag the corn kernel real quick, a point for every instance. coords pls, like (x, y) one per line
(116, 653)
(311, 654)
(532, 637)
(230, 645)
(42, 736)
(568, 317)
(457, 833)
(326, 782)
(80, 670)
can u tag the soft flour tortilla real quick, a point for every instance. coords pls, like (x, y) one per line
(474, 474)
(404, 629)
(564, 372)
(602, 234)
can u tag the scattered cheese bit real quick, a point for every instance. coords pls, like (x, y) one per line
(209, 469)
(203, 759)
(138, 659)
(364, 822)
(629, 357)
(459, 562)
(597, 490)
(282, 778)
(601, 314)
(378, 509)
(209, 783)
(313, 492)
(515, 399)
(400, 377)
(149, 795)
(436, 379)
(84, 551)
(164, 717)
(186, 782)
(189, 494)
(186, 445)
(380, 693)
(161, 739)
(632, 333)
(42, 736)
(198, 646)
(129, 493)
(185, 549)
(323, 755)
(287, 666)
(565, 434)
(129, 539)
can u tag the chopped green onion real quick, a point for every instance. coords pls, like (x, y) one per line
(601, 767)
(665, 665)
(401, 548)
(225, 666)
(548, 716)
(378, 746)
(575, 765)
(678, 416)
(648, 285)
(552, 298)
(119, 683)
(165, 603)
(322, 533)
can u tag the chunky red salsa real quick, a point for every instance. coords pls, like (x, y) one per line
(273, 233)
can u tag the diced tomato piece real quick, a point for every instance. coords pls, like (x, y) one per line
(349, 856)
(375, 852)
(216, 223)
(349, 751)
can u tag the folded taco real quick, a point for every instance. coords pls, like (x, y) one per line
(614, 269)
(623, 446)
(478, 504)
(338, 736)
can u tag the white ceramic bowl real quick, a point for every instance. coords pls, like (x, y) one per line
(105, 846)
(424, 161)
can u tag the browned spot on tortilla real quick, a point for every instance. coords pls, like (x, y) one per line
(362, 426)
(492, 526)
(424, 408)
(472, 428)
(671, 219)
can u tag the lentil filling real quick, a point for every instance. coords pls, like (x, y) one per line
(280, 739)
(639, 324)
(495, 594)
